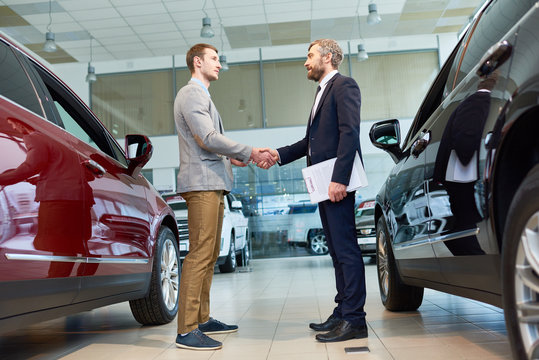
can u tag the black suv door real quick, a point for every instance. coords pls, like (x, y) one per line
(456, 156)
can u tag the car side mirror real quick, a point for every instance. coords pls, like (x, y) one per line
(139, 150)
(494, 58)
(236, 205)
(386, 135)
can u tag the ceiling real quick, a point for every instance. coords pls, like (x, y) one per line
(126, 29)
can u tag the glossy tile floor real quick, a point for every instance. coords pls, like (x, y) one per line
(272, 304)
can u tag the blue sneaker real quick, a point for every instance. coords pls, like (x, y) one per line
(216, 327)
(196, 340)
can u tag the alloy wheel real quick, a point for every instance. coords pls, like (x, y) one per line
(169, 274)
(382, 263)
(319, 245)
(527, 286)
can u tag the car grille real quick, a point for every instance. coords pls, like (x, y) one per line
(182, 230)
(365, 232)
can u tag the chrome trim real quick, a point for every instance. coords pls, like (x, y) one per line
(455, 235)
(412, 243)
(75, 259)
(425, 239)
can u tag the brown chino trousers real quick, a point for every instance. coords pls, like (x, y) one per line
(205, 219)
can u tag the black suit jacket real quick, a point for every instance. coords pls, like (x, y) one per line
(334, 131)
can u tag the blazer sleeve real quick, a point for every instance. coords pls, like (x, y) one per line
(348, 100)
(293, 152)
(196, 110)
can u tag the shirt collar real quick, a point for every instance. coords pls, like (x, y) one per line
(201, 84)
(327, 78)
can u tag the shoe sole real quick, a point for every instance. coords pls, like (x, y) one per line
(359, 336)
(219, 332)
(182, 346)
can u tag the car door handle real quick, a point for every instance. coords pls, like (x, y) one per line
(96, 169)
(420, 144)
(495, 57)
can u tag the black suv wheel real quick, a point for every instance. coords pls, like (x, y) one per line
(521, 269)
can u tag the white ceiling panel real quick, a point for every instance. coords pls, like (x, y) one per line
(129, 2)
(129, 27)
(177, 6)
(144, 20)
(142, 9)
(241, 11)
(170, 35)
(296, 6)
(73, 5)
(120, 40)
(164, 27)
(95, 14)
(117, 31)
(102, 24)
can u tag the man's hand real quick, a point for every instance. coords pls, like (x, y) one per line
(336, 191)
(274, 154)
(262, 158)
(237, 163)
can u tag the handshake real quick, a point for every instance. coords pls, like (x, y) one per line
(263, 158)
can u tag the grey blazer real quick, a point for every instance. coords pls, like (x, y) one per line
(204, 150)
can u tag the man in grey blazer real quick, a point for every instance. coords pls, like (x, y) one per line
(205, 177)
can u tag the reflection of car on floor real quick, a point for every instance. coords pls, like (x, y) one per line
(234, 234)
(459, 212)
(80, 226)
(305, 228)
(365, 228)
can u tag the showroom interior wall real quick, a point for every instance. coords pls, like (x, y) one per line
(162, 168)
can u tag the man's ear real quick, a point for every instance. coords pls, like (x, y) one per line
(327, 58)
(197, 61)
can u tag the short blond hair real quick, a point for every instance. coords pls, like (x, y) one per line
(329, 46)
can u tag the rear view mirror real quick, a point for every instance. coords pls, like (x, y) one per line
(386, 135)
(236, 205)
(139, 150)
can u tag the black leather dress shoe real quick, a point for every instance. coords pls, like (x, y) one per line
(327, 325)
(343, 331)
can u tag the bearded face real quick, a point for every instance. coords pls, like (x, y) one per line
(316, 70)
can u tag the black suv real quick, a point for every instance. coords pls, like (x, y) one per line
(459, 212)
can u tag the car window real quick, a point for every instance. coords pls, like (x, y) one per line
(77, 120)
(498, 18)
(14, 82)
(432, 100)
(303, 209)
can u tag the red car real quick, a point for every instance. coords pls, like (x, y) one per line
(80, 227)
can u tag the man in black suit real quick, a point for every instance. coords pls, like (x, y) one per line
(333, 131)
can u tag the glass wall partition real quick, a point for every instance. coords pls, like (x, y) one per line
(138, 102)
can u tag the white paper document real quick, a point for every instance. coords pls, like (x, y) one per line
(317, 178)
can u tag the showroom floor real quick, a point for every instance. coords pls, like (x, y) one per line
(273, 303)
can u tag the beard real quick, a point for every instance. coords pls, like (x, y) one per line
(316, 72)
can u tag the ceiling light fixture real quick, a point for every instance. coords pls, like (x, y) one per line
(224, 65)
(206, 31)
(222, 58)
(90, 77)
(50, 45)
(373, 17)
(362, 53)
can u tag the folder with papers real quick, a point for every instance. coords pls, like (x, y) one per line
(317, 178)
